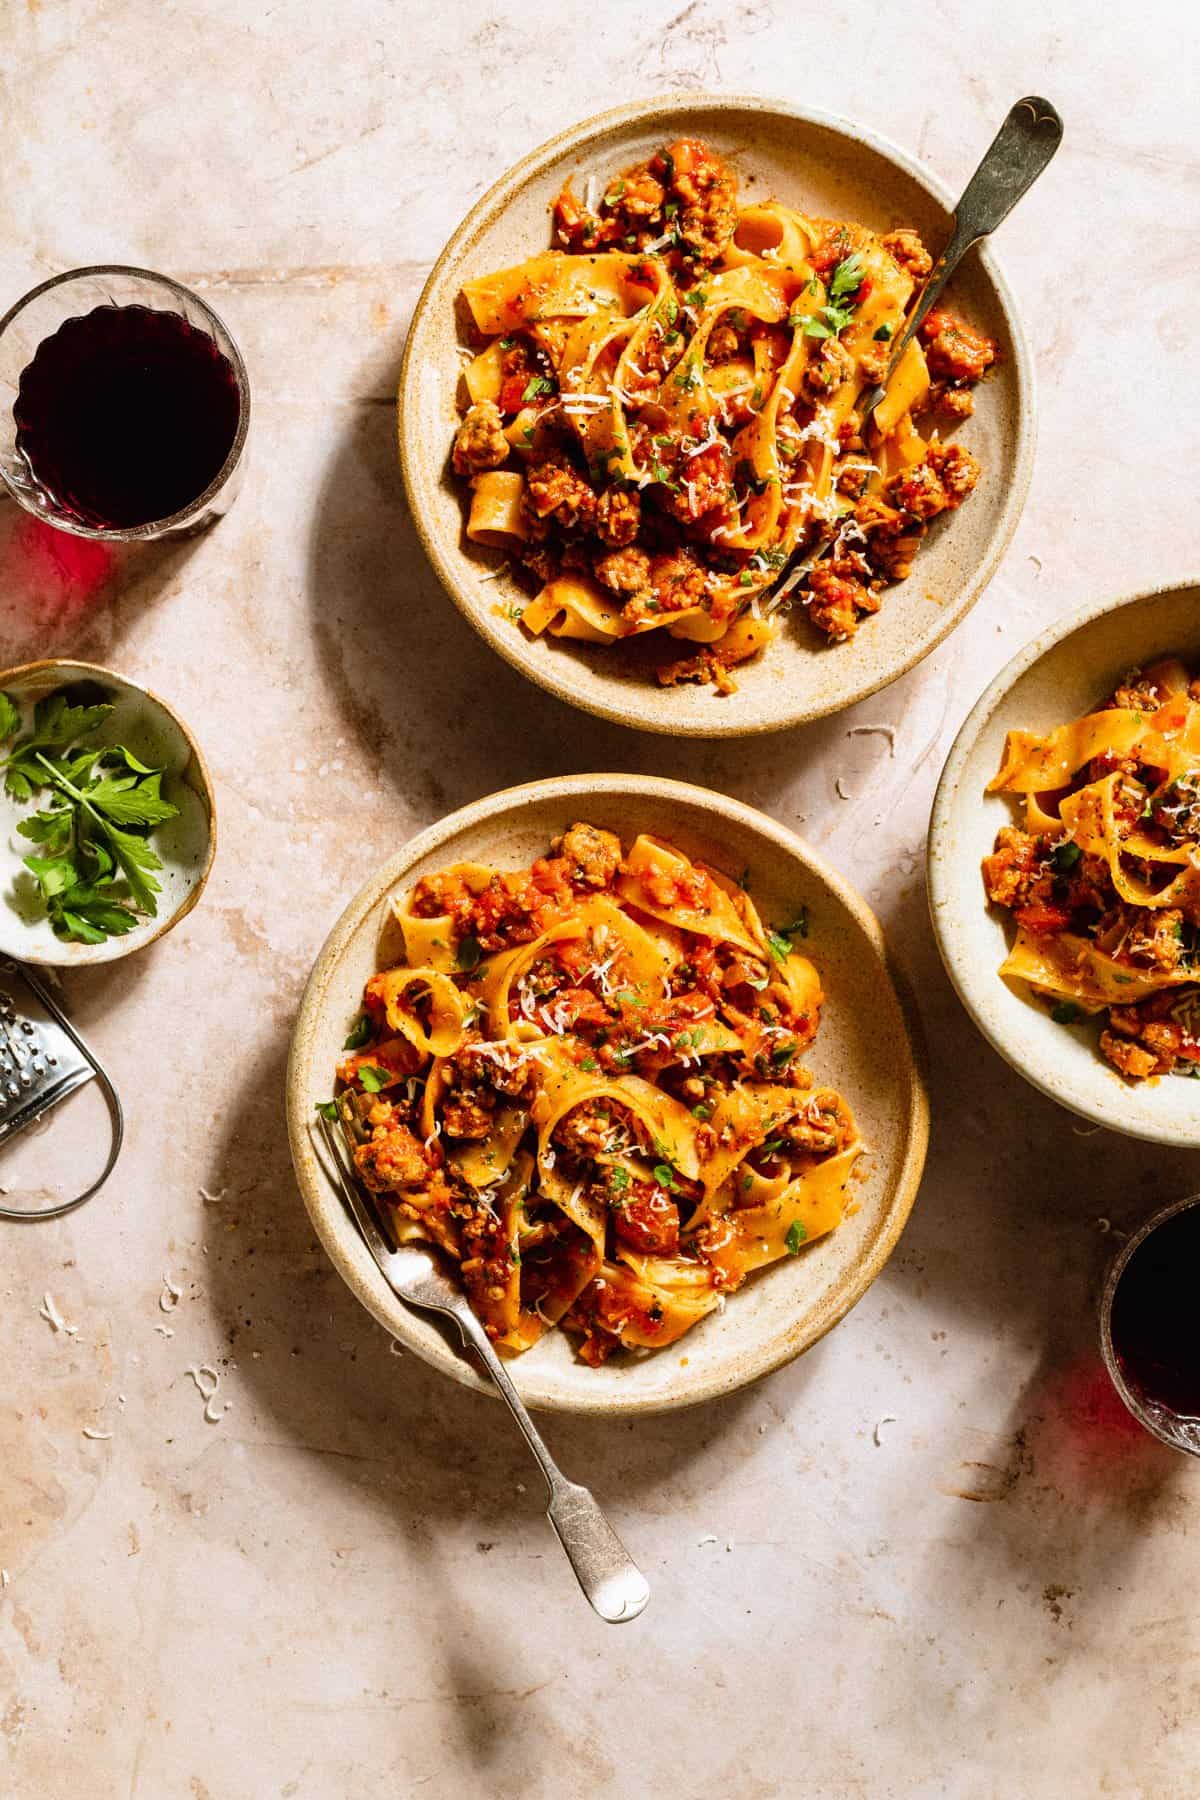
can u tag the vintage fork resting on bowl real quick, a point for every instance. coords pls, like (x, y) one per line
(610, 1579)
(1018, 153)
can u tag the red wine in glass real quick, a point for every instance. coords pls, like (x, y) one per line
(125, 416)
(1154, 1327)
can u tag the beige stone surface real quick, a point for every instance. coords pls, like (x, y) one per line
(345, 1588)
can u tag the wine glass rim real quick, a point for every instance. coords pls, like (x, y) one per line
(152, 528)
(1112, 1281)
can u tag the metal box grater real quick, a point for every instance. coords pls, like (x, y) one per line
(42, 1060)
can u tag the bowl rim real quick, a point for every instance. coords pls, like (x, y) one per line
(498, 195)
(959, 968)
(337, 1232)
(114, 948)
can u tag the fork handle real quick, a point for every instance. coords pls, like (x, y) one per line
(1011, 164)
(611, 1581)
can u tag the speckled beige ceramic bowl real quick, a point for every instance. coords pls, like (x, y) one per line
(866, 1048)
(829, 167)
(1060, 676)
(187, 844)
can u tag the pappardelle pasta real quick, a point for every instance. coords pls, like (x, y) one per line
(662, 417)
(1103, 881)
(584, 1084)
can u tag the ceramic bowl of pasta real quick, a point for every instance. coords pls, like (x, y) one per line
(630, 1057)
(1064, 864)
(630, 426)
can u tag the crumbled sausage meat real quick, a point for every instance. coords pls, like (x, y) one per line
(481, 443)
(835, 602)
(953, 350)
(618, 515)
(393, 1158)
(1130, 1058)
(828, 368)
(956, 469)
(592, 856)
(554, 489)
(906, 247)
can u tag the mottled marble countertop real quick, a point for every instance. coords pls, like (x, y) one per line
(346, 1587)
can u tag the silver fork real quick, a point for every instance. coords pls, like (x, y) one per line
(610, 1579)
(1012, 163)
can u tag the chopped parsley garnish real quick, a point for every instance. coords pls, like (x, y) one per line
(589, 1063)
(373, 1079)
(618, 1179)
(328, 1109)
(537, 384)
(882, 334)
(1065, 856)
(664, 1174)
(360, 1033)
(702, 1112)
(1066, 1013)
(797, 1233)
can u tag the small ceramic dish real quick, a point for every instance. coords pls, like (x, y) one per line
(1060, 676)
(829, 167)
(187, 844)
(868, 1048)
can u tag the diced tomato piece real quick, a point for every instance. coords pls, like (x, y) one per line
(648, 1222)
(1043, 920)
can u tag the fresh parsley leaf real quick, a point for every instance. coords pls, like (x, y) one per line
(68, 924)
(798, 926)
(847, 278)
(328, 1109)
(618, 1179)
(56, 723)
(796, 1235)
(1066, 1013)
(10, 717)
(124, 801)
(51, 828)
(81, 907)
(373, 1079)
(883, 334)
(53, 874)
(537, 384)
(1065, 856)
(702, 1112)
(664, 1174)
(360, 1033)
(469, 954)
(780, 946)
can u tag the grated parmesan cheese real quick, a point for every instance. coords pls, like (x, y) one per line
(49, 1311)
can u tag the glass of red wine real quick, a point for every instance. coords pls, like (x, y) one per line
(124, 405)
(1150, 1325)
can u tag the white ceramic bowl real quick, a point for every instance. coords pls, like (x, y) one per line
(1060, 676)
(831, 168)
(867, 1047)
(186, 844)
